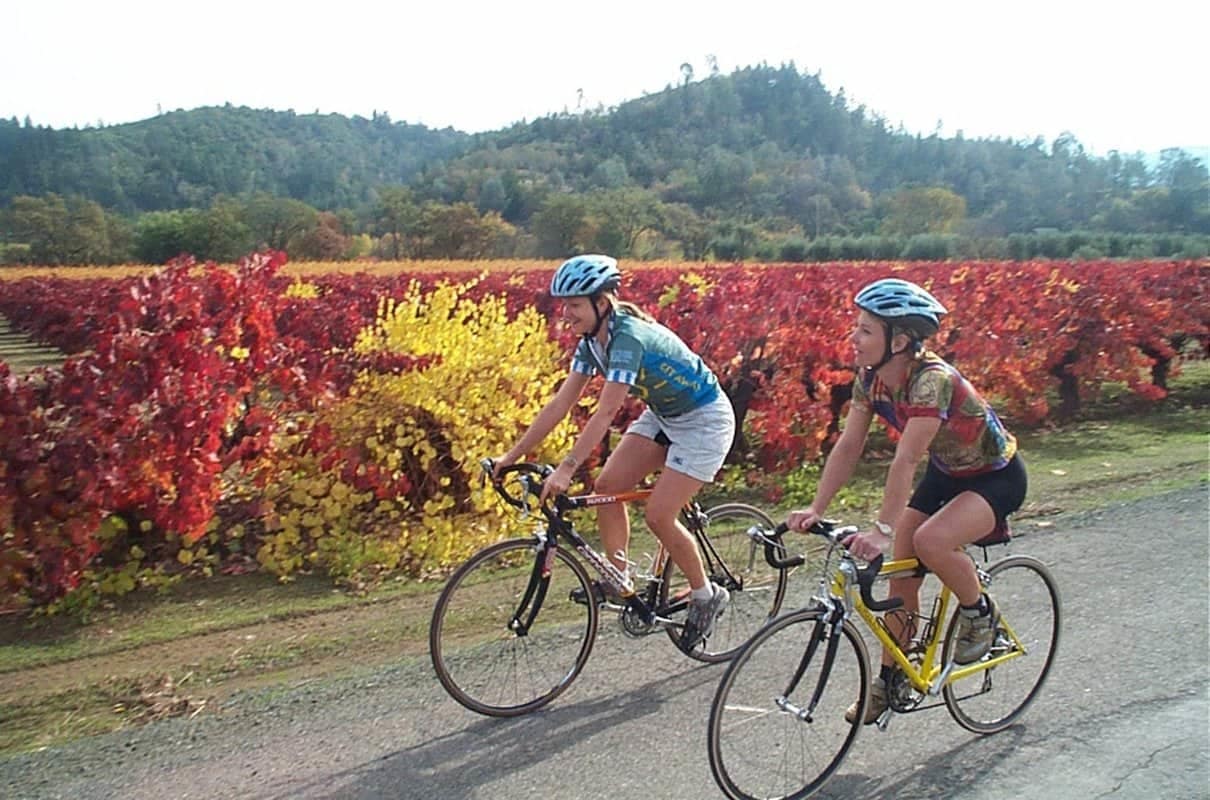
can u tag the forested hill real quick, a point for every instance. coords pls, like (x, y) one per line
(767, 143)
(764, 147)
(186, 159)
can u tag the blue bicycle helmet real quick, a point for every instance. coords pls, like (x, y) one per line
(902, 304)
(583, 276)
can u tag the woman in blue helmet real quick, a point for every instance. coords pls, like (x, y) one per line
(973, 481)
(685, 431)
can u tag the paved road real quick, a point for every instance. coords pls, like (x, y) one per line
(1125, 714)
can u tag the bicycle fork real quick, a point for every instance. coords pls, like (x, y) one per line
(828, 628)
(535, 592)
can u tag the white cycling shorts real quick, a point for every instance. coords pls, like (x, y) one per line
(699, 440)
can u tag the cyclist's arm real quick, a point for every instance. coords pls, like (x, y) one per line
(913, 446)
(555, 410)
(839, 467)
(612, 396)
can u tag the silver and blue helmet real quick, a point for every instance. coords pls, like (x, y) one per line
(583, 276)
(903, 305)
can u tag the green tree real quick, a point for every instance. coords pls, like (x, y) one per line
(396, 215)
(159, 236)
(560, 225)
(621, 217)
(218, 233)
(680, 223)
(1188, 184)
(610, 174)
(276, 221)
(87, 239)
(926, 209)
(492, 195)
(63, 230)
(457, 231)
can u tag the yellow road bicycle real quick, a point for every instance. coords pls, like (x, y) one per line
(777, 722)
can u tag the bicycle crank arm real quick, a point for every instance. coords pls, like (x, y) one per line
(939, 684)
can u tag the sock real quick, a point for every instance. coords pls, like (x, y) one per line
(886, 672)
(703, 592)
(979, 609)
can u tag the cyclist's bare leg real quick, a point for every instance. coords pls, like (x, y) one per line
(940, 539)
(906, 588)
(671, 492)
(632, 460)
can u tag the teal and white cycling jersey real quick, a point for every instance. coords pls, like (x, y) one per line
(660, 369)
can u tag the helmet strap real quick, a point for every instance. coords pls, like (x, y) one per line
(888, 353)
(596, 329)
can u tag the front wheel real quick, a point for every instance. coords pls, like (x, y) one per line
(769, 736)
(735, 561)
(504, 640)
(1008, 678)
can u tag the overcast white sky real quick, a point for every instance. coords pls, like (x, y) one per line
(1130, 78)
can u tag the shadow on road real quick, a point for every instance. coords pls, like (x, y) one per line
(463, 763)
(955, 770)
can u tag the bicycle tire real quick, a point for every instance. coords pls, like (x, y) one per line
(483, 663)
(756, 589)
(1028, 598)
(758, 750)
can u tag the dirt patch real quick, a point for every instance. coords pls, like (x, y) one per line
(196, 674)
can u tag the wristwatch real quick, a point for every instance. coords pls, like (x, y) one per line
(884, 529)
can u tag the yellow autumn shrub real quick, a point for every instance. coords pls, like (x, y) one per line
(412, 502)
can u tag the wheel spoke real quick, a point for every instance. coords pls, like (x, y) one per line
(486, 665)
(990, 699)
(759, 746)
(756, 588)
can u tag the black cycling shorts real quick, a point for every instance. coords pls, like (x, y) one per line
(1004, 489)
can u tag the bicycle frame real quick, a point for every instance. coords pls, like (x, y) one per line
(932, 675)
(619, 581)
(642, 605)
(846, 590)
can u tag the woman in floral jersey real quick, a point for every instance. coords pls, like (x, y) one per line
(973, 481)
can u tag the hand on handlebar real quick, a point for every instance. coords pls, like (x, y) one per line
(499, 465)
(803, 519)
(516, 482)
(867, 545)
(557, 482)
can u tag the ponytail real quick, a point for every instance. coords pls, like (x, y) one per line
(626, 307)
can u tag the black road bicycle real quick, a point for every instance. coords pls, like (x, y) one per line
(514, 625)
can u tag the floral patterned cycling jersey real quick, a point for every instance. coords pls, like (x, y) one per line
(658, 367)
(972, 439)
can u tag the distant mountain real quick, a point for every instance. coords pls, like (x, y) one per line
(188, 158)
(765, 147)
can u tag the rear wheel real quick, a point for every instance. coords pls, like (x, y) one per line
(483, 657)
(764, 738)
(736, 562)
(992, 697)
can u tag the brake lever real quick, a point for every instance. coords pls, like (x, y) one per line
(527, 483)
(487, 468)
